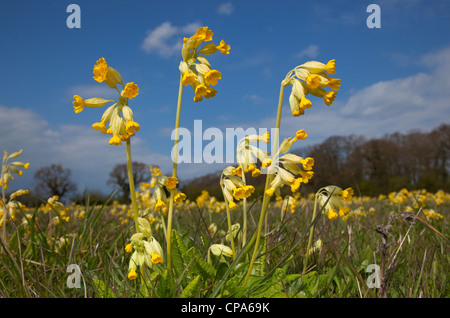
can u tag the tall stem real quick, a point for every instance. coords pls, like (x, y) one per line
(230, 229)
(174, 173)
(244, 215)
(131, 182)
(311, 233)
(266, 198)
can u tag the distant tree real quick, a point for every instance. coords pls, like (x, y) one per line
(119, 177)
(54, 180)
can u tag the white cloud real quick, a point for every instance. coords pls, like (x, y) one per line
(81, 149)
(310, 51)
(254, 98)
(89, 91)
(226, 8)
(419, 101)
(165, 39)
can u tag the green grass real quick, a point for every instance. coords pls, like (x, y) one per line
(32, 264)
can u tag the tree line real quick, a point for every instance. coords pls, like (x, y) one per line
(415, 160)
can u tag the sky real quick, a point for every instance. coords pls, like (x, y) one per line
(394, 78)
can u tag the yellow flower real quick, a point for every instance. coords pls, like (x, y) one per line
(300, 134)
(115, 140)
(132, 127)
(334, 84)
(200, 89)
(317, 67)
(332, 215)
(223, 47)
(157, 259)
(220, 249)
(329, 97)
(307, 163)
(212, 77)
(129, 248)
(78, 104)
(195, 68)
(313, 81)
(171, 183)
(100, 70)
(104, 73)
(296, 184)
(132, 274)
(160, 204)
(347, 194)
(203, 34)
(131, 90)
(179, 197)
(231, 205)
(100, 126)
(256, 172)
(189, 78)
(238, 193)
(266, 162)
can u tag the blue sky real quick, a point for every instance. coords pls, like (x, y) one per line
(394, 78)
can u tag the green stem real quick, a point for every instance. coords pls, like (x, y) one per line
(174, 172)
(266, 198)
(244, 215)
(131, 182)
(311, 233)
(230, 229)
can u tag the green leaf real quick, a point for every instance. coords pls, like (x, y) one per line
(103, 291)
(192, 289)
(177, 247)
(199, 265)
(165, 287)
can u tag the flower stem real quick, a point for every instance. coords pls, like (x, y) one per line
(174, 173)
(311, 232)
(244, 215)
(266, 198)
(131, 182)
(230, 229)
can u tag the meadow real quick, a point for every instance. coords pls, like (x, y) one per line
(274, 242)
(44, 241)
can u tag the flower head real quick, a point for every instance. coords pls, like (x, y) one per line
(311, 78)
(289, 169)
(332, 199)
(119, 116)
(195, 68)
(131, 90)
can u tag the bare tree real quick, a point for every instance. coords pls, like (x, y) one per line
(119, 177)
(54, 180)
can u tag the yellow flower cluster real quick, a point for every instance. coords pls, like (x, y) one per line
(286, 175)
(161, 184)
(233, 187)
(147, 250)
(119, 116)
(311, 78)
(12, 167)
(195, 68)
(332, 199)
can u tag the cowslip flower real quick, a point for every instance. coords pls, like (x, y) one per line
(161, 185)
(117, 120)
(195, 68)
(233, 187)
(247, 153)
(332, 199)
(311, 78)
(10, 168)
(294, 170)
(147, 250)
